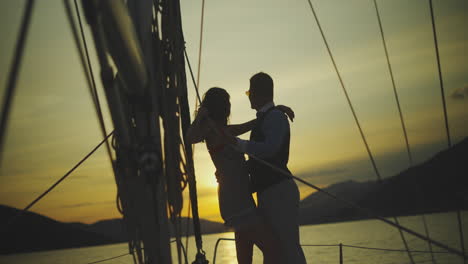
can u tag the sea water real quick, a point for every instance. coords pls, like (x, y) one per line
(320, 244)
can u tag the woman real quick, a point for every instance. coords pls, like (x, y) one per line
(236, 204)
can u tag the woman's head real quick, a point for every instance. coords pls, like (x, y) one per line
(216, 101)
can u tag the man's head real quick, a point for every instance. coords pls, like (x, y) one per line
(261, 90)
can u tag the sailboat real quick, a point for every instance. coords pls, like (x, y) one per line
(141, 51)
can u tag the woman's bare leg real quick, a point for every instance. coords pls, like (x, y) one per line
(244, 246)
(261, 235)
(268, 244)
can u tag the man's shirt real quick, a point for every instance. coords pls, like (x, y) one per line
(275, 128)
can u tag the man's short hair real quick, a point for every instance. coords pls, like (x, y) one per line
(262, 84)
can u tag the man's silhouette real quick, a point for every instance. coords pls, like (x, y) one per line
(277, 195)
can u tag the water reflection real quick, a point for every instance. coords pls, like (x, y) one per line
(368, 233)
(226, 252)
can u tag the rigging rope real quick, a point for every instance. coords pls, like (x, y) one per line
(354, 205)
(408, 149)
(200, 44)
(185, 123)
(20, 213)
(191, 74)
(189, 169)
(198, 85)
(362, 209)
(187, 226)
(404, 130)
(87, 71)
(195, 208)
(14, 72)
(449, 141)
(93, 90)
(441, 81)
(345, 92)
(355, 117)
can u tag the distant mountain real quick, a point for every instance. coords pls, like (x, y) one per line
(34, 232)
(115, 228)
(320, 208)
(439, 184)
(112, 228)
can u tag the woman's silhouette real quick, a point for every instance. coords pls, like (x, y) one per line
(236, 204)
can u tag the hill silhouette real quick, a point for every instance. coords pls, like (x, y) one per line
(437, 185)
(35, 232)
(115, 228)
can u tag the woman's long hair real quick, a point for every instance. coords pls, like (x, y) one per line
(216, 101)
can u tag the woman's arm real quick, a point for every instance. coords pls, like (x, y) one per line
(199, 127)
(240, 129)
(287, 110)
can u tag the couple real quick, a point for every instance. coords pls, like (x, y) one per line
(273, 225)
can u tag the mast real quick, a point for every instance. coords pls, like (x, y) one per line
(140, 49)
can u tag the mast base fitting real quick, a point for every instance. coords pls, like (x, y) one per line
(200, 259)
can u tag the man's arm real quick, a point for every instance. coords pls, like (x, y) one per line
(239, 129)
(275, 128)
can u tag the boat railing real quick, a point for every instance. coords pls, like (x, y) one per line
(340, 248)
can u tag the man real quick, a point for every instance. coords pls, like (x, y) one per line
(277, 195)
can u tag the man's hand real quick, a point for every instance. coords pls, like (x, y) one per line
(287, 110)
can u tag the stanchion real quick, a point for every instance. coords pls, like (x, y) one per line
(341, 253)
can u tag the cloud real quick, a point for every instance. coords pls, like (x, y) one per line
(324, 172)
(460, 93)
(76, 205)
(328, 174)
(85, 204)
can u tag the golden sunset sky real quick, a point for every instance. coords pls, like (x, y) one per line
(53, 124)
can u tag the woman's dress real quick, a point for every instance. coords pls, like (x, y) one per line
(236, 203)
